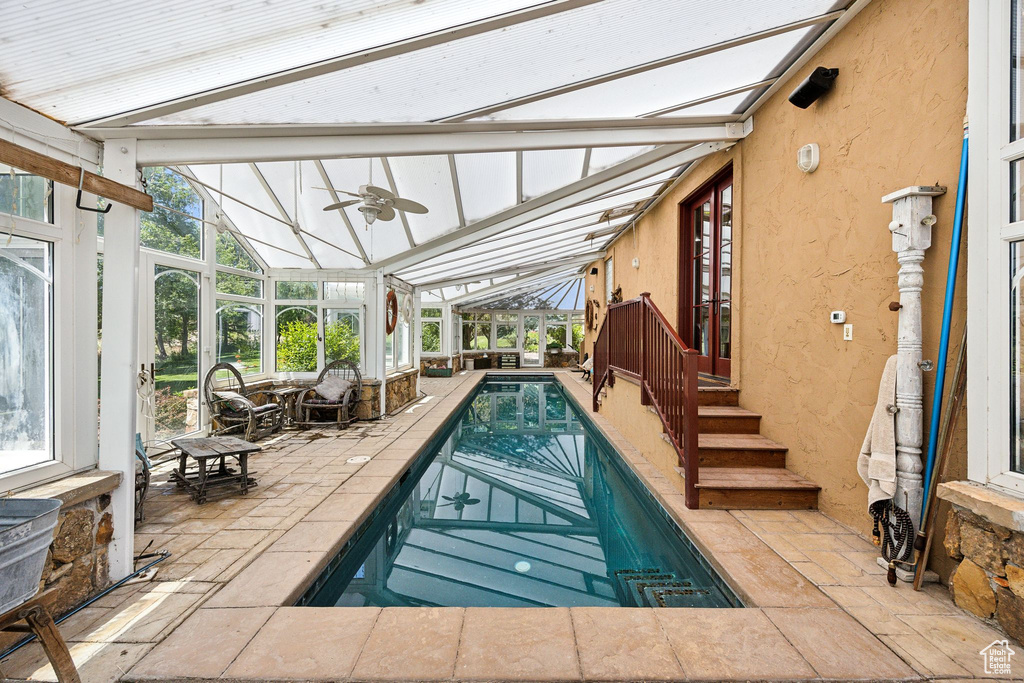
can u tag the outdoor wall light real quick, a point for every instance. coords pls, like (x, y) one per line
(814, 86)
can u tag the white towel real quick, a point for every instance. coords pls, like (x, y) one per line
(877, 461)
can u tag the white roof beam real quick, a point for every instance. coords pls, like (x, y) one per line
(709, 98)
(621, 175)
(520, 261)
(647, 66)
(537, 286)
(251, 147)
(457, 190)
(501, 288)
(344, 216)
(284, 213)
(574, 261)
(340, 63)
(394, 188)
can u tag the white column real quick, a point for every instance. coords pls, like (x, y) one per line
(911, 228)
(120, 352)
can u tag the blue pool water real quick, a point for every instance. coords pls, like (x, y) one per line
(522, 504)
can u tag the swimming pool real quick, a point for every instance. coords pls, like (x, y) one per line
(519, 503)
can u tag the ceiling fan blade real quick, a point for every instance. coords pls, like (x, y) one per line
(386, 214)
(341, 205)
(380, 192)
(332, 189)
(408, 205)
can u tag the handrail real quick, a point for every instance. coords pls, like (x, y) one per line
(637, 341)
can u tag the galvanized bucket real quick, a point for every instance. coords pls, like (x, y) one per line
(26, 530)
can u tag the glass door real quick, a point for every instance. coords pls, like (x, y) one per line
(705, 315)
(533, 354)
(169, 351)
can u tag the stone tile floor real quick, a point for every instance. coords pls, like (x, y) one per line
(838, 622)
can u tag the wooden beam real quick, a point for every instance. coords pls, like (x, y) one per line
(64, 173)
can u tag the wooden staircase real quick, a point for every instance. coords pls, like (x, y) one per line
(738, 467)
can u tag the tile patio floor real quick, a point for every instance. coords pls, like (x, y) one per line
(823, 609)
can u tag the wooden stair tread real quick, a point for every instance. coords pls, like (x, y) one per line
(746, 442)
(725, 411)
(771, 478)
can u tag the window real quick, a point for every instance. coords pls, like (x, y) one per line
(349, 291)
(507, 336)
(296, 338)
(26, 353)
(555, 325)
(239, 285)
(175, 224)
(342, 334)
(232, 254)
(578, 330)
(296, 291)
(239, 333)
(403, 339)
(25, 195)
(476, 331)
(430, 330)
(609, 278)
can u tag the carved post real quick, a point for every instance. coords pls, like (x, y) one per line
(911, 228)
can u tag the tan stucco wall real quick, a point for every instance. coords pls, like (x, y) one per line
(810, 244)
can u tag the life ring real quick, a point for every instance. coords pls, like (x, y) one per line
(407, 311)
(390, 311)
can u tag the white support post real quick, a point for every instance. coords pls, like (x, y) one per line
(120, 352)
(911, 228)
(379, 334)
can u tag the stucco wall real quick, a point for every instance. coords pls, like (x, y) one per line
(810, 244)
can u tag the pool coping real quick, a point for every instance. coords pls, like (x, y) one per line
(257, 628)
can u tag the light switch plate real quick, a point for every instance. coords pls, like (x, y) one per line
(848, 332)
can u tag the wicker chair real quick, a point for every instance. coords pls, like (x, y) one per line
(310, 403)
(253, 413)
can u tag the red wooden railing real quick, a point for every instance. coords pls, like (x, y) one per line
(637, 341)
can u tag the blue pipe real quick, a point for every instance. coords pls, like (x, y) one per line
(947, 319)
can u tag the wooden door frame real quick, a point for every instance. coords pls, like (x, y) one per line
(684, 313)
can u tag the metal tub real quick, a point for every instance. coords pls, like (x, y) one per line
(26, 530)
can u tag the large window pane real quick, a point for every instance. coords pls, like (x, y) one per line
(430, 336)
(341, 334)
(230, 283)
(1016, 71)
(430, 313)
(403, 339)
(507, 331)
(26, 353)
(172, 230)
(176, 318)
(555, 326)
(240, 336)
(352, 291)
(1016, 357)
(25, 195)
(296, 338)
(578, 330)
(232, 254)
(304, 291)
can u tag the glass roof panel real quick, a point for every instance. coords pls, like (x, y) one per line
(327, 228)
(384, 239)
(564, 295)
(427, 180)
(548, 170)
(487, 183)
(604, 157)
(155, 54)
(667, 86)
(480, 71)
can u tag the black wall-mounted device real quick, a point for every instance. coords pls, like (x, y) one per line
(814, 86)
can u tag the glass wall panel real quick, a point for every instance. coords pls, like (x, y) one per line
(26, 353)
(430, 336)
(343, 290)
(239, 334)
(507, 332)
(403, 339)
(25, 195)
(176, 229)
(531, 340)
(176, 350)
(341, 334)
(578, 330)
(296, 338)
(232, 254)
(476, 331)
(555, 325)
(302, 291)
(240, 285)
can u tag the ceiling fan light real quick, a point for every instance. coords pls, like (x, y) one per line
(369, 213)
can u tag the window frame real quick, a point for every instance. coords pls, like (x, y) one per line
(989, 240)
(439, 321)
(609, 278)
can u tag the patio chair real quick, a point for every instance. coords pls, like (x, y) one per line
(340, 378)
(234, 409)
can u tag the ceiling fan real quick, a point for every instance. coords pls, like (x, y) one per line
(376, 203)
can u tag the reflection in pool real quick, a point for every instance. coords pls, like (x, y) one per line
(521, 506)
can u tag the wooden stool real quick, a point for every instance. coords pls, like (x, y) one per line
(40, 623)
